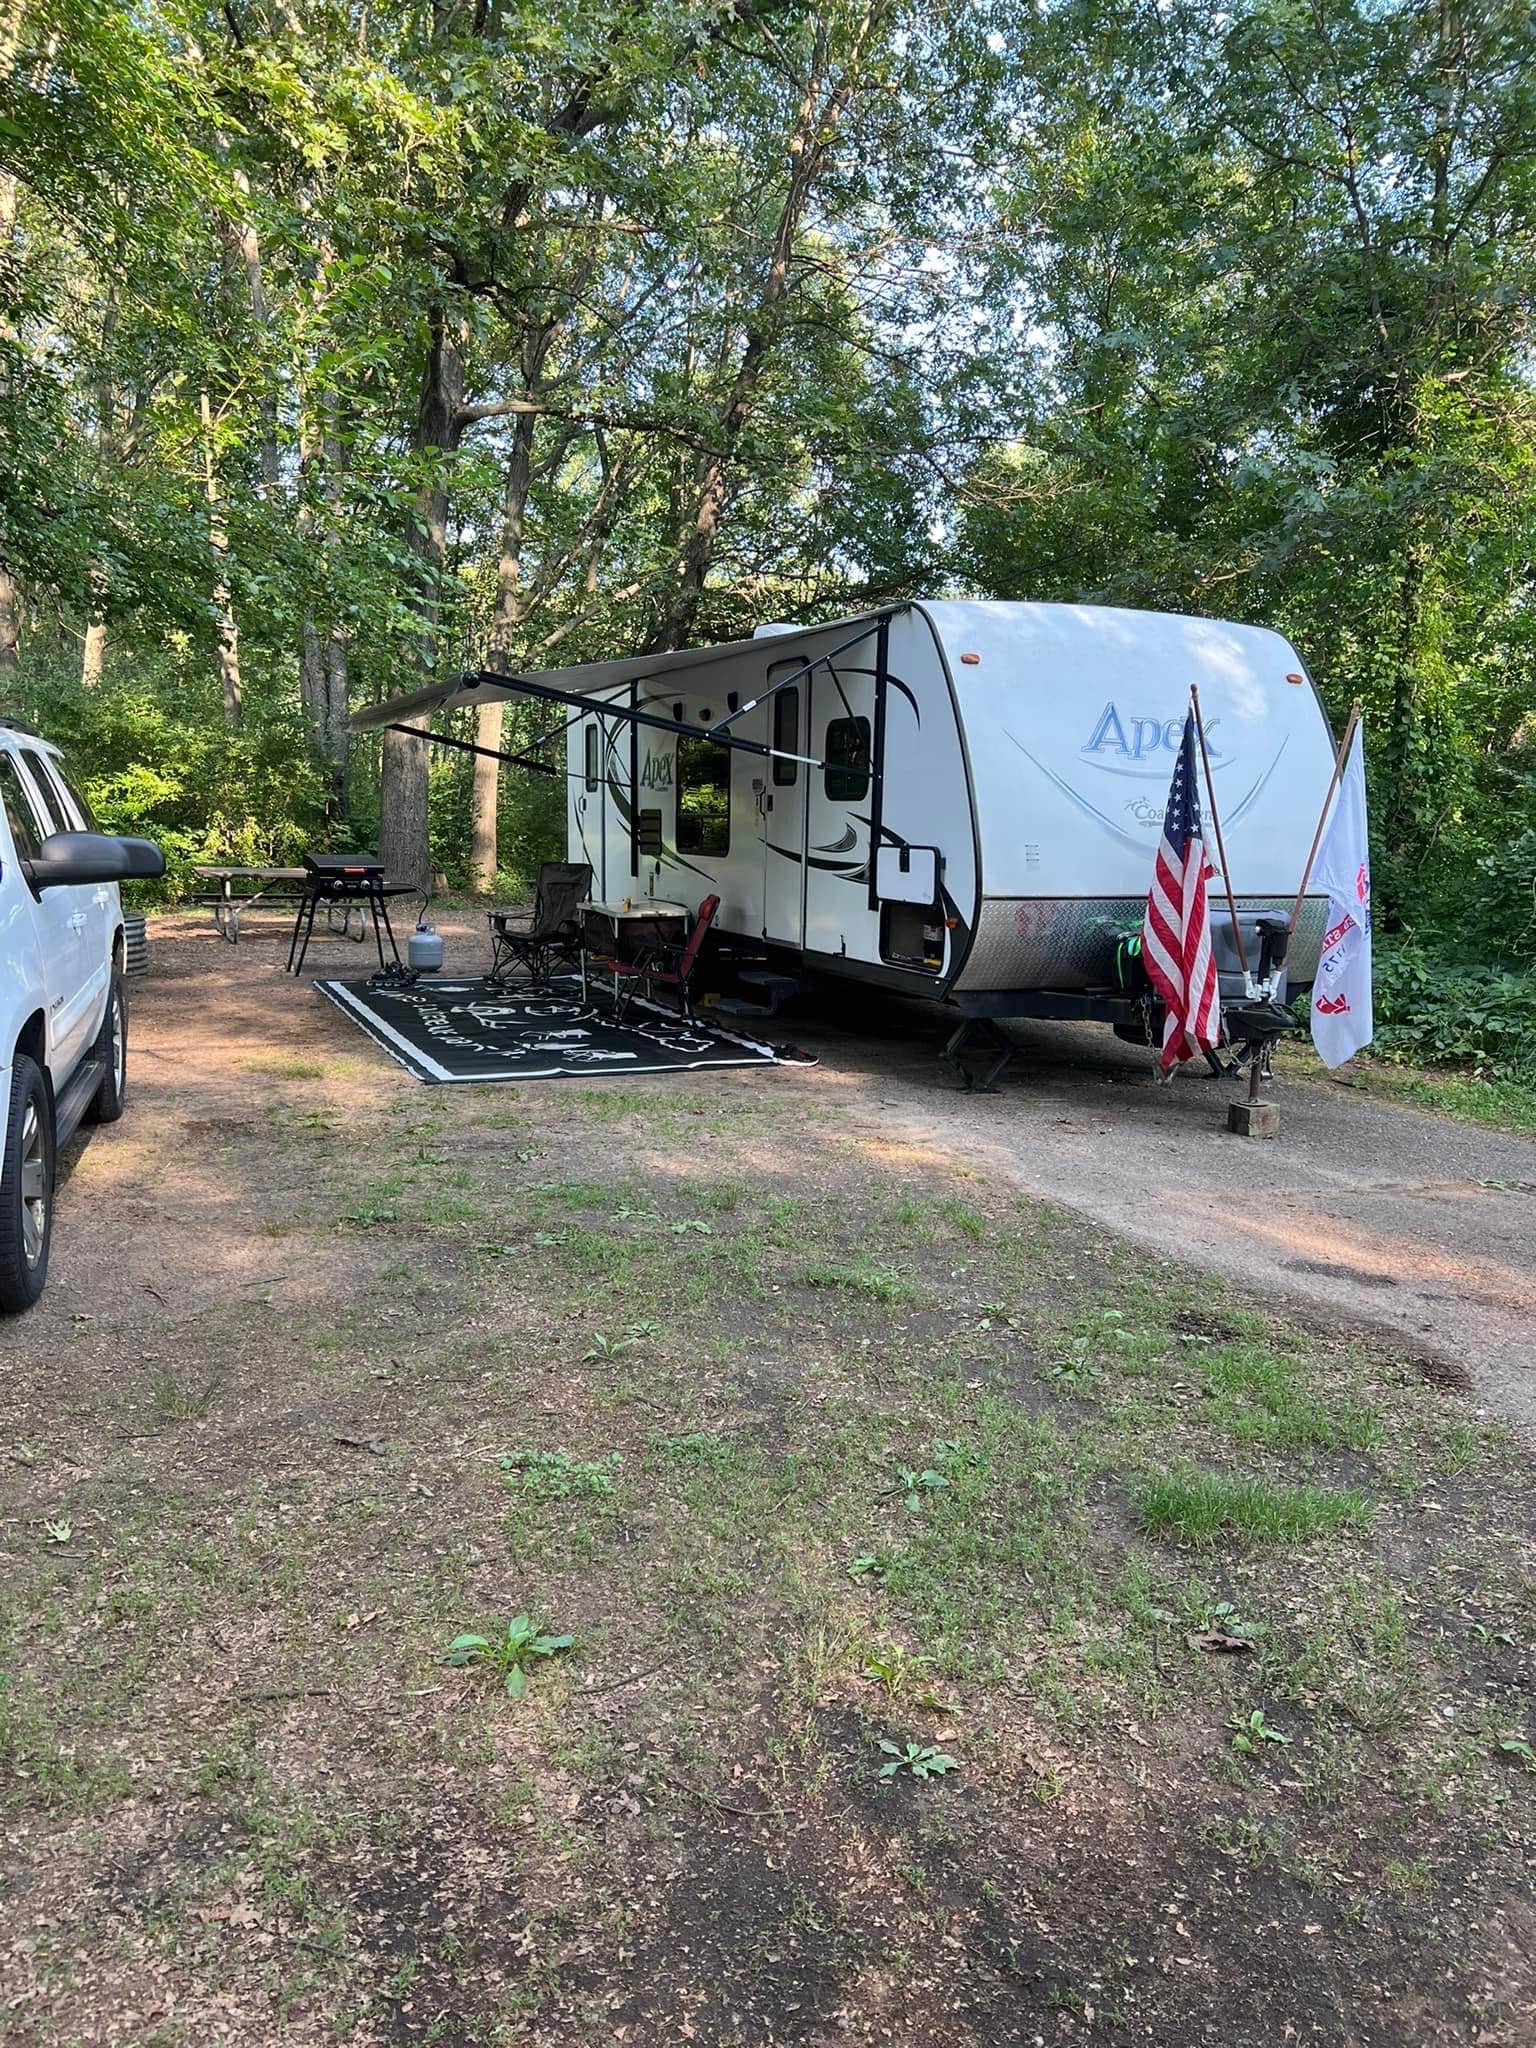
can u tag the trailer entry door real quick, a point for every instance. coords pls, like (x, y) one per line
(781, 799)
(838, 916)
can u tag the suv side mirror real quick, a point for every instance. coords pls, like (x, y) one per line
(70, 859)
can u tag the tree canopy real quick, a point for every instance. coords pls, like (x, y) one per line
(344, 346)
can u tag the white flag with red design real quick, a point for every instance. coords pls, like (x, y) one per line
(1341, 996)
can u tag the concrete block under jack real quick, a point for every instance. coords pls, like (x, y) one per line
(1254, 1119)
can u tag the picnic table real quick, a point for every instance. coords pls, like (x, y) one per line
(227, 905)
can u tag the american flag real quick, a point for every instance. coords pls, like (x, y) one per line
(1176, 933)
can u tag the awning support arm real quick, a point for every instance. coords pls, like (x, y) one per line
(442, 739)
(587, 707)
(879, 625)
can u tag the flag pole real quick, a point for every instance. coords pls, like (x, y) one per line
(1221, 851)
(1317, 837)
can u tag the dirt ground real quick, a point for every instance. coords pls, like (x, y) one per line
(776, 1393)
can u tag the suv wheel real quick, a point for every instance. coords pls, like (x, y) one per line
(26, 1188)
(111, 1048)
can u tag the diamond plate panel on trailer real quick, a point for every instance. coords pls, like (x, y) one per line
(1069, 942)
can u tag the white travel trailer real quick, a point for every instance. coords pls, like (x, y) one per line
(960, 800)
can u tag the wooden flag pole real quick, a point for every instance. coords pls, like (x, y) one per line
(1221, 851)
(1317, 837)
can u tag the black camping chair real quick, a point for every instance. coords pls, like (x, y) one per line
(535, 942)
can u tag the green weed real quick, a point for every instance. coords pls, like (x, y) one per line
(878, 1283)
(920, 1760)
(511, 1655)
(551, 1475)
(1251, 1731)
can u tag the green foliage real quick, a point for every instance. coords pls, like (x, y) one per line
(1095, 301)
(862, 1276)
(1433, 1012)
(1284, 386)
(879, 1567)
(551, 1475)
(898, 1670)
(1250, 1732)
(156, 759)
(919, 1760)
(603, 1347)
(512, 1655)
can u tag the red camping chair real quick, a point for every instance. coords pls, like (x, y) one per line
(670, 965)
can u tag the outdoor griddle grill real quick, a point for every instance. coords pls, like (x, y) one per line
(355, 882)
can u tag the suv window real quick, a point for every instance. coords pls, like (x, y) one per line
(47, 797)
(64, 794)
(26, 833)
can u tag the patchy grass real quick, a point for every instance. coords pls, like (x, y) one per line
(1210, 1508)
(1497, 1105)
(807, 1455)
(862, 1276)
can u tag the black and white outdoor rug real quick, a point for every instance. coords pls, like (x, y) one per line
(442, 1030)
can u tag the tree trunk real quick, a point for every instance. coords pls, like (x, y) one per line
(93, 652)
(10, 638)
(816, 121)
(335, 732)
(243, 246)
(226, 633)
(403, 842)
(336, 696)
(323, 657)
(504, 622)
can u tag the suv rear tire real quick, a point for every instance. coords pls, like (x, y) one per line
(111, 1048)
(26, 1188)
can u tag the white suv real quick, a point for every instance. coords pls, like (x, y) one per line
(63, 1017)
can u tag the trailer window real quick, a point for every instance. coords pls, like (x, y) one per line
(703, 797)
(786, 735)
(847, 758)
(591, 757)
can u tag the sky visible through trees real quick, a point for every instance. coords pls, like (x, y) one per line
(343, 346)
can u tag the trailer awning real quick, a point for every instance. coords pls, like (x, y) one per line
(595, 678)
(588, 692)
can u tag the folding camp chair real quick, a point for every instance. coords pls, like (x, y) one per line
(669, 964)
(536, 942)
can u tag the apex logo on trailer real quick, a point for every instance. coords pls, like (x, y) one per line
(1136, 738)
(656, 772)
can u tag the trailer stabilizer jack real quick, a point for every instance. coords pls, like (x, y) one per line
(981, 1035)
